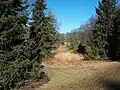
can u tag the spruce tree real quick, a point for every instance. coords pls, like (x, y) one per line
(16, 62)
(104, 27)
(116, 36)
(42, 30)
(12, 23)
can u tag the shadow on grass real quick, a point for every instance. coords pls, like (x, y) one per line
(112, 85)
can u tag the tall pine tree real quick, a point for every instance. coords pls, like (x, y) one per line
(42, 30)
(116, 36)
(16, 50)
(104, 28)
(12, 23)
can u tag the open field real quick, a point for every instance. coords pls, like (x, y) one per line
(86, 77)
(67, 71)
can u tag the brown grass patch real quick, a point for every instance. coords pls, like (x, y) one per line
(65, 58)
(86, 77)
(67, 71)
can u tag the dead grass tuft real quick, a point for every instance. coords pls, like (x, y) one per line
(66, 58)
(63, 56)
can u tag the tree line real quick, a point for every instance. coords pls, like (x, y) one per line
(100, 36)
(27, 34)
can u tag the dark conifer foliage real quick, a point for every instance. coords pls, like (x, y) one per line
(21, 48)
(12, 35)
(43, 32)
(115, 49)
(104, 28)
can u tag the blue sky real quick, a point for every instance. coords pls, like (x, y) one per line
(71, 13)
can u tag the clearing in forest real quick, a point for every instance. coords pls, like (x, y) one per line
(67, 71)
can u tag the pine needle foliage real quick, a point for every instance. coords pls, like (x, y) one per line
(21, 48)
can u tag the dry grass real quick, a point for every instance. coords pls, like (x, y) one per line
(67, 71)
(88, 77)
(63, 56)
